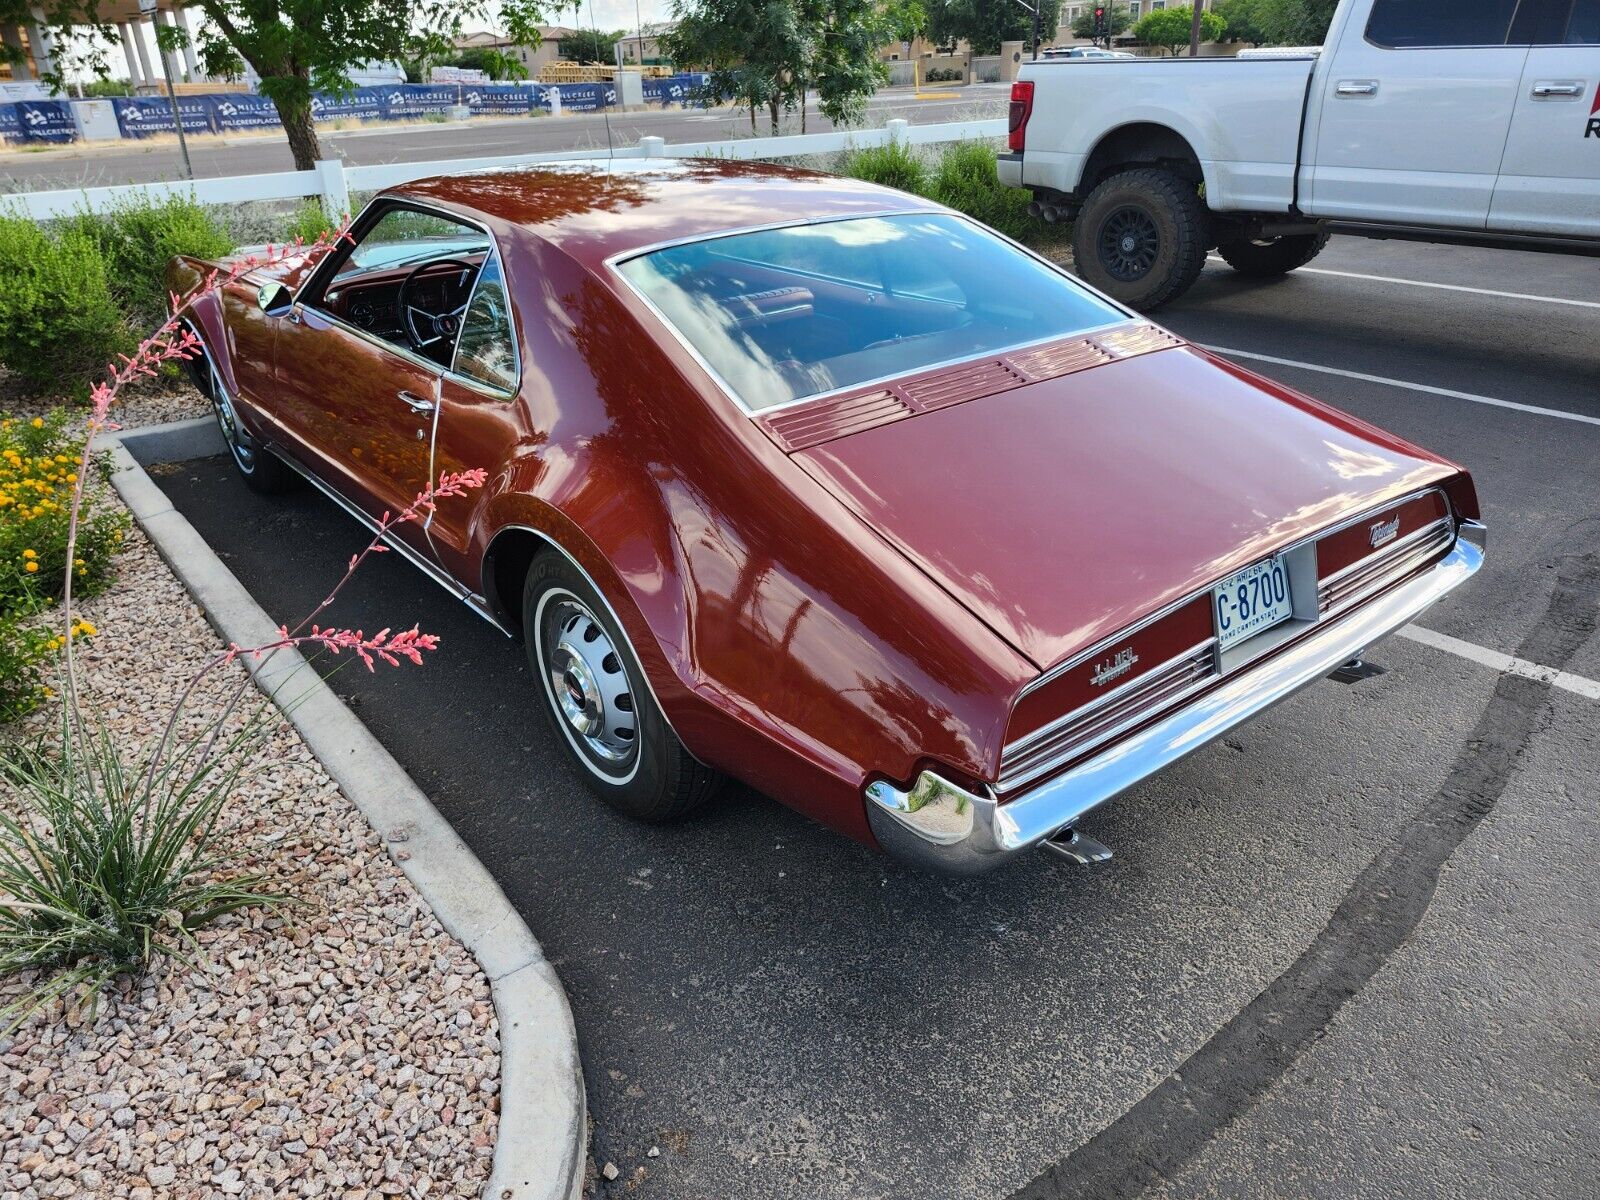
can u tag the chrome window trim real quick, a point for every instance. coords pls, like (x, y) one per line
(1171, 607)
(617, 260)
(511, 322)
(402, 201)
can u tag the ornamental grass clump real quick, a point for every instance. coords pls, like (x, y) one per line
(110, 857)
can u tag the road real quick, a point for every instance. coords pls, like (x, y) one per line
(1348, 951)
(131, 162)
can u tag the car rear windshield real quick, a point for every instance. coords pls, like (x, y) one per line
(785, 314)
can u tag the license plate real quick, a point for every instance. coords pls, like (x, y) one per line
(1253, 600)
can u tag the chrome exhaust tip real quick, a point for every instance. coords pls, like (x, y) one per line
(1035, 209)
(1078, 847)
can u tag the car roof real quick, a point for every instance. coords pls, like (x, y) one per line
(597, 209)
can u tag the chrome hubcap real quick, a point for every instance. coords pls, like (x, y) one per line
(588, 682)
(243, 452)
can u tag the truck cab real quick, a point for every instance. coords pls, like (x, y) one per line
(1446, 120)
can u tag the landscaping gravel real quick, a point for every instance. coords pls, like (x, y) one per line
(149, 402)
(347, 1047)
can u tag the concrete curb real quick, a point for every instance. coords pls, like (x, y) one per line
(541, 1148)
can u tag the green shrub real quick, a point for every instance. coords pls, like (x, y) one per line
(894, 165)
(138, 237)
(27, 643)
(59, 322)
(309, 222)
(39, 462)
(967, 180)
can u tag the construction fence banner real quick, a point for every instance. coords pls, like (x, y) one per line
(227, 112)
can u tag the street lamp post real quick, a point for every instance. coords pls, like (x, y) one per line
(148, 8)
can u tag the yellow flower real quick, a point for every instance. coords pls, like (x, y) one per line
(30, 554)
(37, 422)
(31, 567)
(87, 628)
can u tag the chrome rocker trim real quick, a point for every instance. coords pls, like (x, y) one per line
(942, 826)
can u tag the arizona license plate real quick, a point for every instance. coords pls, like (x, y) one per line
(1251, 601)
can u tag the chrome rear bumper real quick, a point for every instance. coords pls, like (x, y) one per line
(942, 826)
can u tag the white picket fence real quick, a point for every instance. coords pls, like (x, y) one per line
(333, 182)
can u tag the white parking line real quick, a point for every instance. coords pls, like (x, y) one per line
(1578, 685)
(1446, 287)
(1408, 385)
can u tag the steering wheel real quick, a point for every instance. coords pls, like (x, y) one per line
(424, 328)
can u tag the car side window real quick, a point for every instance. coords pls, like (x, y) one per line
(486, 349)
(1411, 23)
(1583, 26)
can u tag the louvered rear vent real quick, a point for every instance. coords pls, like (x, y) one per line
(1138, 339)
(1061, 359)
(963, 383)
(813, 424)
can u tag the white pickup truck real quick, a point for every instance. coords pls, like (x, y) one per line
(1440, 120)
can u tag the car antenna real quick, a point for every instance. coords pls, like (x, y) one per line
(605, 109)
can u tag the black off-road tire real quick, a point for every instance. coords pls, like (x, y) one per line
(1140, 237)
(562, 614)
(1276, 256)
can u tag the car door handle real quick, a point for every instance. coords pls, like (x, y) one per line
(415, 402)
(1356, 87)
(1547, 89)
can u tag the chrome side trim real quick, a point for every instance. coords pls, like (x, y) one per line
(433, 571)
(1171, 607)
(940, 825)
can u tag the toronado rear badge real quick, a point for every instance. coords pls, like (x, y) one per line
(1118, 665)
(1384, 531)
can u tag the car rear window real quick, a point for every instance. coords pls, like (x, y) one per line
(785, 314)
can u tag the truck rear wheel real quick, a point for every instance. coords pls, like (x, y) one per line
(1141, 237)
(1273, 256)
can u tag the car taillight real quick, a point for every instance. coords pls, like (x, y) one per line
(1021, 110)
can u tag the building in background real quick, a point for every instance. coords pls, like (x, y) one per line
(134, 30)
(548, 51)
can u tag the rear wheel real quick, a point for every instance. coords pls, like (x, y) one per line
(262, 470)
(1141, 237)
(596, 698)
(1267, 257)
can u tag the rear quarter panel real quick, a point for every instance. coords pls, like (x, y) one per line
(1241, 118)
(787, 644)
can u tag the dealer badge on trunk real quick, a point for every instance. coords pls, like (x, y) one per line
(1118, 665)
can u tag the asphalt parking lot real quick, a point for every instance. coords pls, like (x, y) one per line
(1348, 951)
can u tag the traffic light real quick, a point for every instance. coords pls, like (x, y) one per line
(1099, 21)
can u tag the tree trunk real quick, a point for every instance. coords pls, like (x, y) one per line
(802, 110)
(296, 118)
(774, 114)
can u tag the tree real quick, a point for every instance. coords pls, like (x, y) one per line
(984, 24)
(1168, 28)
(1295, 22)
(494, 63)
(591, 46)
(1244, 20)
(1118, 18)
(907, 20)
(299, 48)
(766, 54)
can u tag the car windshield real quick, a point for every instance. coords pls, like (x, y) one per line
(785, 314)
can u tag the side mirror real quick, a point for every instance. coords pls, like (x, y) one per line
(274, 299)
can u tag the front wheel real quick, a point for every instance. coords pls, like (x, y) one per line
(597, 700)
(262, 470)
(1266, 257)
(1141, 237)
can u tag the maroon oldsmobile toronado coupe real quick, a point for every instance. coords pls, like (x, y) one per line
(820, 486)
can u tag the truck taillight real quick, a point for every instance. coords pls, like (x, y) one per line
(1021, 110)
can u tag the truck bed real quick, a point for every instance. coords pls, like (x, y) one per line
(1245, 112)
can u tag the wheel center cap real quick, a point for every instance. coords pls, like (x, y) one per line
(1129, 243)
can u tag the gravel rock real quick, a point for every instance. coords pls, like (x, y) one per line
(314, 1051)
